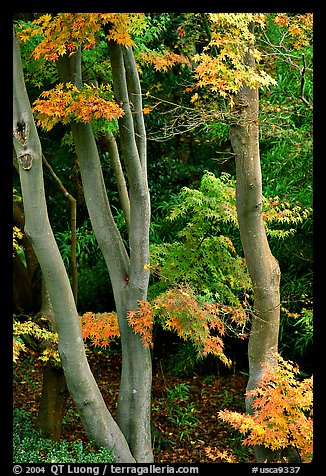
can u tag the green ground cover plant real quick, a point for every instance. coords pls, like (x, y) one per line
(29, 446)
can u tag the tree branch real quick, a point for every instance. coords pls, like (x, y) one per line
(129, 146)
(135, 97)
(105, 229)
(112, 147)
(73, 221)
(302, 73)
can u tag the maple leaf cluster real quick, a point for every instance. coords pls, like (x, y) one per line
(65, 32)
(162, 61)
(142, 322)
(178, 310)
(283, 409)
(46, 341)
(100, 328)
(299, 27)
(215, 453)
(225, 72)
(278, 213)
(65, 102)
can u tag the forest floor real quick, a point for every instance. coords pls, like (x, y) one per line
(184, 409)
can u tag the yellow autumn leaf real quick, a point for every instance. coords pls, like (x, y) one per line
(194, 97)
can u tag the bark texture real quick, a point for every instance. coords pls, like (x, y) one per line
(98, 422)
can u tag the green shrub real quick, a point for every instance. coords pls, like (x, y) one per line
(29, 446)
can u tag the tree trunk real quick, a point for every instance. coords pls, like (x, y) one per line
(98, 422)
(53, 402)
(128, 275)
(73, 226)
(134, 402)
(262, 266)
(24, 277)
(54, 389)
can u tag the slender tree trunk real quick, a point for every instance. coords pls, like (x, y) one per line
(98, 422)
(73, 226)
(54, 388)
(112, 147)
(263, 267)
(129, 277)
(134, 403)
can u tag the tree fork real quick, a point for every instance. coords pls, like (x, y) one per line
(134, 401)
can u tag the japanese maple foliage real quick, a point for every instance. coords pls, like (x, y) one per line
(283, 411)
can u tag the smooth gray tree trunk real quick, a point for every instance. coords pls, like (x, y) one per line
(128, 274)
(262, 266)
(134, 414)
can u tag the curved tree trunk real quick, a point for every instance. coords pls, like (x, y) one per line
(262, 266)
(134, 403)
(98, 422)
(129, 277)
(54, 389)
